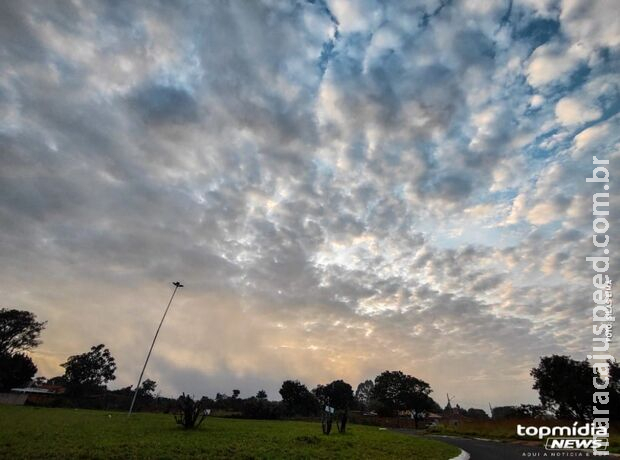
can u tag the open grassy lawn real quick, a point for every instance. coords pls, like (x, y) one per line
(30, 432)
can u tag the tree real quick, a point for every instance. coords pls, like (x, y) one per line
(89, 371)
(261, 408)
(125, 391)
(147, 389)
(262, 394)
(19, 331)
(504, 412)
(477, 414)
(235, 394)
(296, 398)
(614, 390)
(363, 393)
(16, 370)
(339, 394)
(564, 386)
(529, 411)
(59, 380)
(397, 391)
(39, 381)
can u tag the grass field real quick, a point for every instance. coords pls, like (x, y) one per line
(29, 432)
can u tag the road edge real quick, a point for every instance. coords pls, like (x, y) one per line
(464, 455)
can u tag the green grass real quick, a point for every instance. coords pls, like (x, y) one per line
(30, 432)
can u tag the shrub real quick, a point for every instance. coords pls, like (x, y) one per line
(190, 414)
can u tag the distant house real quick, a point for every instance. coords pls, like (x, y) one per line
(31, 390)
(36, 395)
(13, 399)
(425, 419)
(44, 389)
(56, 389)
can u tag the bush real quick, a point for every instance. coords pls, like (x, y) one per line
(190, 414)
(256, 408)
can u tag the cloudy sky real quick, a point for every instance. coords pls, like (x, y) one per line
(343, 187)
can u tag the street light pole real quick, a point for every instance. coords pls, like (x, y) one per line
(176, 285)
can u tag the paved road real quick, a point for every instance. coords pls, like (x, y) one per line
(492, 450)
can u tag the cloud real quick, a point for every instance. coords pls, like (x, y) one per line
(159, 104)
(593, 23)
(570, 111)
(542, 213)
(594, 135)
(342, 187)
(355, 17)
(553, 61)
(537, 101)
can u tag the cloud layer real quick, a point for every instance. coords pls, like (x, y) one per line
(343, 187)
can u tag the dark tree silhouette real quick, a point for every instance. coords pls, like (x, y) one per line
(19, 331)
(16, 370)
(479, 414)
(147, 389)
(564, 386)
(504, 412)
(89, 371)
(530, 411)
(297, 400)
(262, 394)
(261, 408)
(339, 395)
(39, 381)
(397, 391)
(59, 380)
(363, 394)
(614, 391)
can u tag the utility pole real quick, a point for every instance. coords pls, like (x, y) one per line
(176, 285)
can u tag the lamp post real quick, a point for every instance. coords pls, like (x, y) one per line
(176, 285)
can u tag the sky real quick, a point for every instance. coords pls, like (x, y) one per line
(343, 187)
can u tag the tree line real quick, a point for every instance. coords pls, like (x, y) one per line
(564, 385)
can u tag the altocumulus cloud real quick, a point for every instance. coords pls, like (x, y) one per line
(344, 187)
